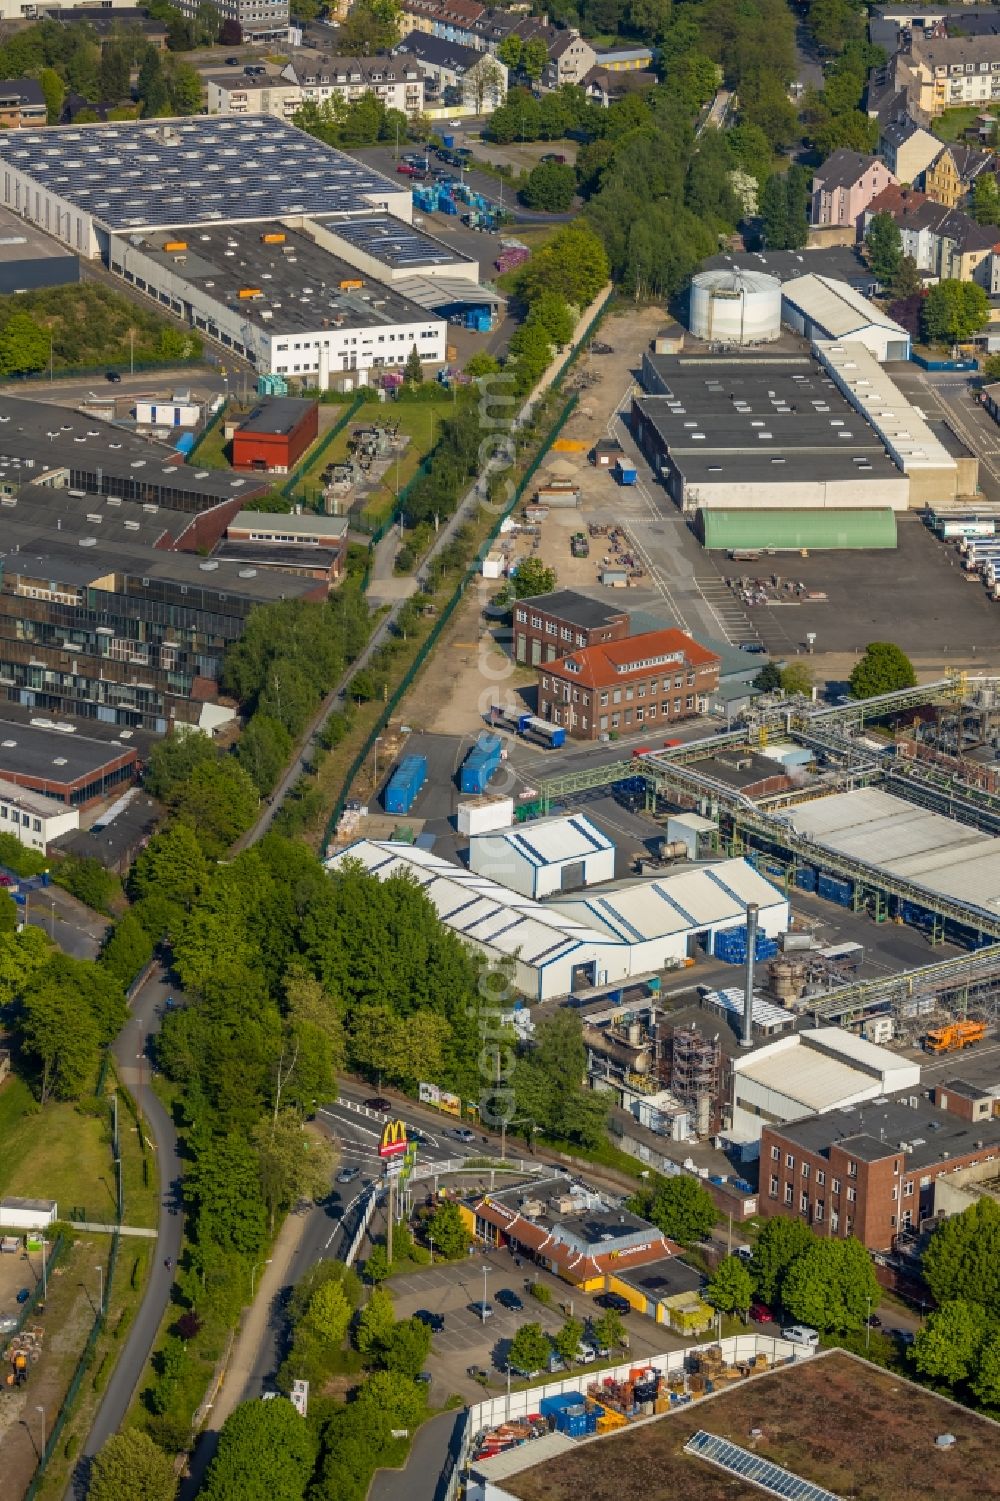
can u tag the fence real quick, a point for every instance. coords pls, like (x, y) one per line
(123, 367)
(28, 1308)
(214, 421)
(447, 611)
(297, 475)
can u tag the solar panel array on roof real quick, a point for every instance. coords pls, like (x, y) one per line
(134, 174)
(395, 244)
(770, 1477)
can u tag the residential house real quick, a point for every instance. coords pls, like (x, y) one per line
(646, 681)
(395, 78)
(908, 150)
(570, 58)
(457, 75)
(844, 186)
(955, 71)
(233, 93)
(893, 93)
(21, 103)
(603, 88)
(944, 243)
(952, 174)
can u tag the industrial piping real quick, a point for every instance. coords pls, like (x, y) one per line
(746, 1041)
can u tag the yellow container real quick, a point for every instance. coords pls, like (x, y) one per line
(176, 245)
(246, 292)
(272, 239)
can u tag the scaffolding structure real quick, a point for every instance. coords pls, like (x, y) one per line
(695, 1074)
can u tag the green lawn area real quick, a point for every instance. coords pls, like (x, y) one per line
(55, 1153)
(420, 420)
(953, 122)
(213, 452)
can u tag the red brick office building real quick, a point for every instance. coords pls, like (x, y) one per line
(547, 626)
(869, 1170)
(276, 435)
(646, 682)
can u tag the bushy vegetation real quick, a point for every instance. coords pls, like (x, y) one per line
(85, 325)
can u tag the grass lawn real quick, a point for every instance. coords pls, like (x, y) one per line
(420, 420)
(214, 452)
(953, 122)
(55, 1153)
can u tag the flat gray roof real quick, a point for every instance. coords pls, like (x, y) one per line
(21, 241)
(135, 173)
(321, 528)
(397, 245)
(891, 1127)
(297, 283)
(277, 414)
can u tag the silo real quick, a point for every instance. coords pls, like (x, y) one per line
(735, 307)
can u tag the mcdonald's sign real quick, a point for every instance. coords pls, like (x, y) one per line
(393, 1143)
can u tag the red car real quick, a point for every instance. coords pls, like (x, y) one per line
(761, 1314)
(408, 170)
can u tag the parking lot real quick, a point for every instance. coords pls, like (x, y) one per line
(466, 1341)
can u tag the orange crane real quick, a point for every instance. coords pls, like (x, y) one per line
(954, 1036)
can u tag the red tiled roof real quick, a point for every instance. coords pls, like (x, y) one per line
(580, 1268)
(601, 666)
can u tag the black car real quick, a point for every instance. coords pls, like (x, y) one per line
(754, 648)
(434, 1321)
(508, 1299)
(113, 377)
(378, 1102)
(614, 1301)
(232, 62)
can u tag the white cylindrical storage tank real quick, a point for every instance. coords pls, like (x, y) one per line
(735, 307)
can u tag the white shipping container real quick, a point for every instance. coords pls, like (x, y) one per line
(485, 815)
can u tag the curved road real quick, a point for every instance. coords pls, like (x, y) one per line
(131, 1054)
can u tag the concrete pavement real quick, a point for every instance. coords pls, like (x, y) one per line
(130, 1051)
(429, 1463)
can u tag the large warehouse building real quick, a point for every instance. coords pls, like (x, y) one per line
(632, 929)
(764, 431)
(298, 258)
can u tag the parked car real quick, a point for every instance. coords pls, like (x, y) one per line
(434, 1321)
(232, 62)
(556, 1364)
(8, 1324)
(801, 1334)
(585, 1355)
(23, 1294)
(614, 1301)
(874, 1322)
(424, 1378)
(348, 1174)
(113, 377)
(408, 169)
(378, 1102)
(761, 1314)
(481, 1310)
(508, 1299)
(755, 648)
(554, 156)
(478, 1373)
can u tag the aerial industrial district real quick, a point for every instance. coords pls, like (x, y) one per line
(506, 1002)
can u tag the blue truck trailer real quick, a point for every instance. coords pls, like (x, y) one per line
(405, 784)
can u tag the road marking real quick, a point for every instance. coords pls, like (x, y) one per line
(343, 1215)
(365, 1130)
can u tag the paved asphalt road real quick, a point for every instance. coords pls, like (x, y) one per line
(131, 1050)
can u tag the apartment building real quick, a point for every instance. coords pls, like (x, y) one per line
(955, 71)
(546, 626)
(943, 241)
(952, 174)
(868, 1170)
(907, 149)
(21, 103)
(844, 186)
(258, 20)
(457, 74)
(647, 681)
(397, 79)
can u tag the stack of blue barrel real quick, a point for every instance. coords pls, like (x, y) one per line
(731, 946)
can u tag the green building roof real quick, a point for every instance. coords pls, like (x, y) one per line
(793, 531)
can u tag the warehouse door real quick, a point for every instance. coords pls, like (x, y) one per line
(573, 876)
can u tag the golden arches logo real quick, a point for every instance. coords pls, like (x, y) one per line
(393, 1143)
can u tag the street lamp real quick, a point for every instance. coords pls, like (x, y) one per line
(486, 1272)
(253, 1274)
(868, 1323)
(431, 1240)
(100, 1272)
(42, 1411)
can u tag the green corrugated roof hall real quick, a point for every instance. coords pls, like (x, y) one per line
(794, 531)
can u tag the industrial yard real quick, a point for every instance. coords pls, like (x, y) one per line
(836, 1421)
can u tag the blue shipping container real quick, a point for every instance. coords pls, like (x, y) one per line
(805, 878)
(405, 784)
(480, 764)
(625, 473)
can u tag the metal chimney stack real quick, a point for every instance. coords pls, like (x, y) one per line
(746, 1041)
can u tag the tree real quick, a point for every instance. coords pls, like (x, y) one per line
(954, 311)
(9, 916)
(266, 1453)
(532, 577)
(769, 678)
(949, 1342)
(609, 1330)
(413, 371)
(548, 188)
(377, 1266)
(884, 246)
(567, 1339)
(797, 679)
(263, 750)
(962, 1259)
(375, 1324)
(55, 92)
(986, 1382)
(884, 668)
(127, 950)
(986, 199)
(407, 1348)
(832, 1285)
(780, 1243)
(21, 956)
(730, 1287)
(219, 802)
(222, 1183)
(483, 84)
(59, 1037)
(530, 1349)
(24, 345)
(534, 57)
(530, 349)
(573, 263)
(294, 1163)
(509, 51)
(131, 1465)
(400, 1398)
(450, 1233)
(679, 1206)
(329, 1313)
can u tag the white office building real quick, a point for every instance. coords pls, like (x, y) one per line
(33, 818)
(545, 856)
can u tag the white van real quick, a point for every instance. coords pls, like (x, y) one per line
(801, 1334)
